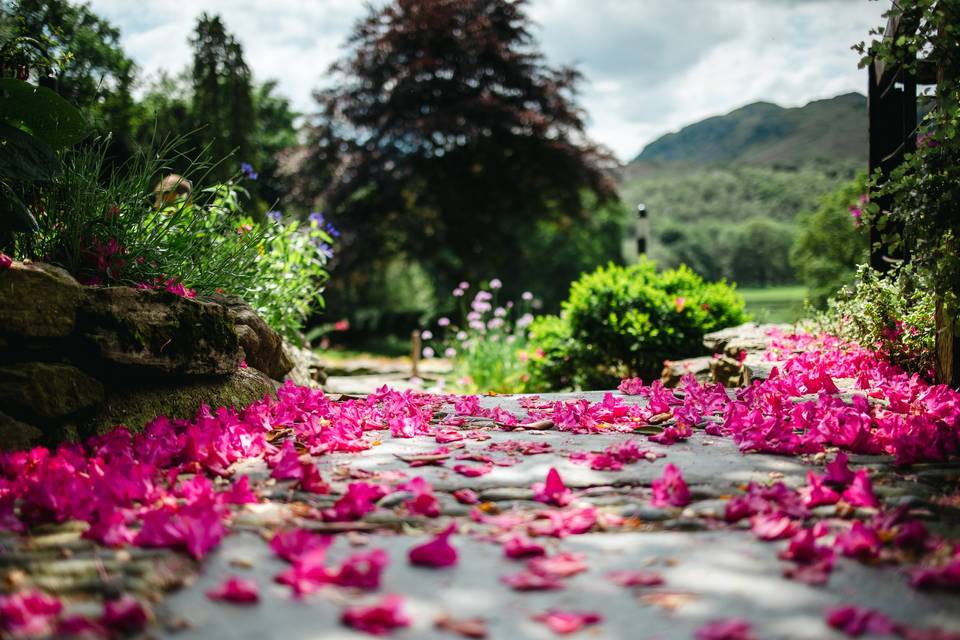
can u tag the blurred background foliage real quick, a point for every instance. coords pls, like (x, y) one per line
(470, 164)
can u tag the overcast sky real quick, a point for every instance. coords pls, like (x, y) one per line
(651, 66)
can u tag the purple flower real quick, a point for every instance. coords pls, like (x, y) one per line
(247, 170)
(495, 283)
(276, 216)
(317, 217)
(332, 230)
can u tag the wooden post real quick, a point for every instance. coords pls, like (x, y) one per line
(948, 348)
(892, 122)
(415, 354)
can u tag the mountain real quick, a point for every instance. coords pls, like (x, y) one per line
(763, 133)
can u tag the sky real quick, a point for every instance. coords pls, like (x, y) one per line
(650, 66)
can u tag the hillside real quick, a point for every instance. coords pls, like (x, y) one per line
(723, 194)
(763, 133)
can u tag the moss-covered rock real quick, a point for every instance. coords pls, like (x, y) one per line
(17, 435)
(156, 332)
(37, 301)
(47, 390)
(262, 346)
(137, 403)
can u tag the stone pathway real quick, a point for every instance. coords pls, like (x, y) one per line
(710, 570)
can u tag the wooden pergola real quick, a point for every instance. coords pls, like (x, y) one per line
(892, 122)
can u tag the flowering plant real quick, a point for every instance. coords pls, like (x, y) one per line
(893, 314)
(293, 267)
(488, 342)
(195, 242)
(922, 193)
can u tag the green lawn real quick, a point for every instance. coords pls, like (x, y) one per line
(775, 304)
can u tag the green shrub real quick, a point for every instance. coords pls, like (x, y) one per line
(625, 321)
(550, 363)
(893, 313)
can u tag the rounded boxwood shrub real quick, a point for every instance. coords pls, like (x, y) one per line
(625, 321)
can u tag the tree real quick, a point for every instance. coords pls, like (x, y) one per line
(830, 242)
(275, 132)
(83, 51)
(445, 137)
(222, 95)
(758, 252)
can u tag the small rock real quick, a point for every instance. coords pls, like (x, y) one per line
(38, 300)
(706, 492)
(674, 370)
(705, 509)
(17, 435)
(647, 512)
(262, 346)
(685, 524)
(47, 390)
(139, 402)
(158, 332)
(500, 494)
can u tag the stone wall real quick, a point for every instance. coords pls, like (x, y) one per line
(77, 360)
(737, 357)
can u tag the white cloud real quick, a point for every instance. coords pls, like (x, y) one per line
(651, 66)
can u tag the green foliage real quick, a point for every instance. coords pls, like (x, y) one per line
(711, 218)
(830, 242)
(550, 364)
(291, 275)
(757, 251)
(222, 93)
(624, 321)
(34, 123)
(924, 190)
(461, 164)
(82, 51)
(105, 227)
(893, 313)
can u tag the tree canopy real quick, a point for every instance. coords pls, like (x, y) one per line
(444, 136)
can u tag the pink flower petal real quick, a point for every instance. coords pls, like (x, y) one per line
(362, 570)
(670, 490)
(561, 565)
(518, 546)
(860, 491)
(378, 619)
(473, 471)
(726, 629)
(125, 615)
(529, 581)
(436, 553)
(553, 491)
(466, 496)
(291, 544)
(236, 590)
(629, 578)
(28, 614)
(856, 621)
(564, 622)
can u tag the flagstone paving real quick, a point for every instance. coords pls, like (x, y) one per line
(709, 573)
(711, 570)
